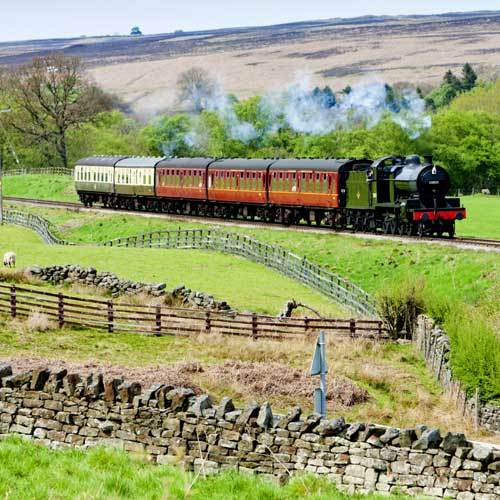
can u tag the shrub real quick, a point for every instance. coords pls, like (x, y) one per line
(38, 322)
(475, 352)
(400, 305)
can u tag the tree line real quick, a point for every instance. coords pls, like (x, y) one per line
(57, 116)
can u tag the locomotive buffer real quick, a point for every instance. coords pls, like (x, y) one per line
(319, 367)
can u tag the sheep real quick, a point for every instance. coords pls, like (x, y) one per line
(9, 259)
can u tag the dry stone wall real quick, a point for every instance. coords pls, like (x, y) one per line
(434, 345)
(173, 425)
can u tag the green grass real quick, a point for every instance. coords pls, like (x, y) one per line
(29, 470)
(40, 186)
(483, 217)
(373, 264)
(243, 284)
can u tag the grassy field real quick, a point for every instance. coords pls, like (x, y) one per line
(483, 217)
(373, 264)
(31, 471)
(245, 285)
(40, 186)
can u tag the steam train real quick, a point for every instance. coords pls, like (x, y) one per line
(395, 195)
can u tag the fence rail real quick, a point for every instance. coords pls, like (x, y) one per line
(39, 170)
(158, 320)
(299, 268)
(273, 256)
(36, 223)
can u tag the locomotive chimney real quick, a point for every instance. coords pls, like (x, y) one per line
(428, 159)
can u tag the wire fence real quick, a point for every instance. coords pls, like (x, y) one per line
(36, 223)
(273, 256)
(39, 170)
(112, 316)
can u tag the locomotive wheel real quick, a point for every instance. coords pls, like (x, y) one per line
(402, 229)
(420, 229)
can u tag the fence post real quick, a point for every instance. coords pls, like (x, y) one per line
(352, 327)
(477, 410)
(380, 328)
(158, 320)
(254, 326)
(60, 309)
(306, 324)
(208, 323)
(13, 301)
(110, 316)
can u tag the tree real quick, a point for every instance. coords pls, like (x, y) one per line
(452, 81)
(49, 97)
(325, 97)
(135, 31)
(469, 77)
(195, 89)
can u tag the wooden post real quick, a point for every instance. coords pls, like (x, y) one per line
(352, 327)
(208, 324)
(477, 410)
(158, 320)
(254, 326)
(306, 324)
(60, 309)
(110, 316)
(380, 328)
(13, 301)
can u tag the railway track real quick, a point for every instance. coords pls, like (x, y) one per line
(459, 241)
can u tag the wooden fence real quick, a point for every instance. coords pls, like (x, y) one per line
(39, 170)
(113, 316)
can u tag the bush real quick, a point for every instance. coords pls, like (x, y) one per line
(400, 305)
(475, 352)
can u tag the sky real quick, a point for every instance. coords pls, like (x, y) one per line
(35, 19)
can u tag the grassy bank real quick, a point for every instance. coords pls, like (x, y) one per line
(483, 214)
(31, 471)
(372, 264)
(244, 285)
(41, 187)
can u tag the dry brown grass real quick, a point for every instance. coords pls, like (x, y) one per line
(17, 276)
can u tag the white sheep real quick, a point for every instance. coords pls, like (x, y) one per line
(9, 259)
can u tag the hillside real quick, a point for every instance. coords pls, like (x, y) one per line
(418, 49)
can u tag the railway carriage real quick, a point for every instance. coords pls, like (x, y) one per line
(238, 187)
(94, 178)
(394, 194)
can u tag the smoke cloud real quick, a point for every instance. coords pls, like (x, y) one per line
(298, 108)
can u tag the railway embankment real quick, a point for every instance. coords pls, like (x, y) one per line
(173, 425)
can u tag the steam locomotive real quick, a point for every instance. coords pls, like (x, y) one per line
(395, 195)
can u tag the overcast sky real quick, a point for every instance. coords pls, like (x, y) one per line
(31, 19)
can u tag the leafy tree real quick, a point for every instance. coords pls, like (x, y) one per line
(167, 136)
(347, 90)
(195, 89)
(469, 77)
(49, 97)
(451, 80)
(325, 97)
(467, 145)
(135, 31)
